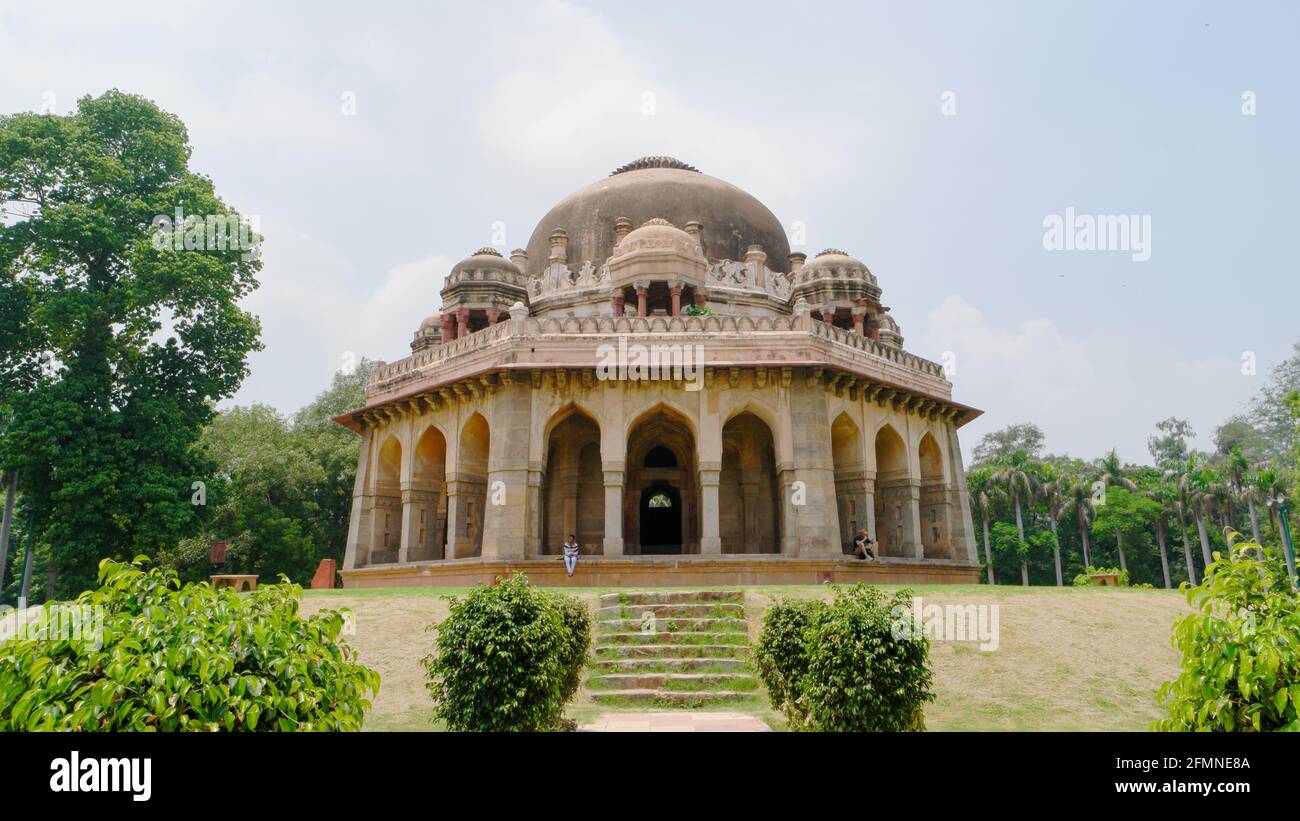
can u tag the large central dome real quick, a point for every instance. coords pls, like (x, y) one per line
(665, 188)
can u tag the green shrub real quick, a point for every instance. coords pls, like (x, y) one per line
(843, 665)
(508, 658)
(1241, 648)
(781, 656)
(1084, 579)
(173, 657)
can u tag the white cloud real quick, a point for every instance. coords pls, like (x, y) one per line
(1087, 396)
(576, 89)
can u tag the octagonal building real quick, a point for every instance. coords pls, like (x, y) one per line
(657, 374)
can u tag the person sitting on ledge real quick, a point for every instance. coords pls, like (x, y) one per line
(571, 554)
(862, 546)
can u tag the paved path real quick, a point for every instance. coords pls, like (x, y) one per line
(676, 721)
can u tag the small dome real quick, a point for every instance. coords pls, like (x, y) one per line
(487, 260)
(658, 236)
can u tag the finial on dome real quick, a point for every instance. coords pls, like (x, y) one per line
(488, 251)
(829, 251)
(656, 161)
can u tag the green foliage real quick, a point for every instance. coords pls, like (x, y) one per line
(699, 310)
(286, 492)
(104, 409)
(781, 655)
(1241, 648)
(175, 657)
(508, 658)
(1001, 444)
(843, 666)
(1084, 579)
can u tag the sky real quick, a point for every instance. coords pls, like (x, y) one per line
(378, 143)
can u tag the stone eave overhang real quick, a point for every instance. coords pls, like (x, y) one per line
(779, 346)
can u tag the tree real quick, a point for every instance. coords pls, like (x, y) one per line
(977, 481)
(1001, 444)
(105, 407)
(1079, 495)
(1113, 475)
(1269, 412)
(1197, 484)
(1052, 491)
(1125, 512)
(1168, 446)
(1016, 471)
(1164, 495)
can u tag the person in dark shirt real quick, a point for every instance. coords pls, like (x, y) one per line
(862, 546)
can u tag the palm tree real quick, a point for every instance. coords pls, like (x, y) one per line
(977, 484)
(1016, 471)
(1164, 495)
(1197, 484)
(1053, 484)
(1079, 499)
(1269, 484)
(1239, 478)
(1112, 473)
(1181, 505)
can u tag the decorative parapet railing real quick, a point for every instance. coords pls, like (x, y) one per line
(730, 275)
(384, 378)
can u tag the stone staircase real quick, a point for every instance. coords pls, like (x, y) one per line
(671, 649)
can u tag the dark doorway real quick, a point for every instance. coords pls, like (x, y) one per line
(661, 520)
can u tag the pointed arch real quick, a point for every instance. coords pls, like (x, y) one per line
(673, 529)
(850, 479)
(748, 490)
(572, 481)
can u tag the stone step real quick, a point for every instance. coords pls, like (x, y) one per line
(676, 625)
(667, 665)
(650, 696)
(671, 597)
(652, 681)
(705, 610)
(660, 638)
(671, 651)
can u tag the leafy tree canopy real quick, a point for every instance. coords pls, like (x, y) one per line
(118, 345)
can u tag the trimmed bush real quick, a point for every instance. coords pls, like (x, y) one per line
(1241, 648)
(508, 658)
(152, 654)
(839, 666)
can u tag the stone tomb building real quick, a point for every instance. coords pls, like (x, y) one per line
(658, 374)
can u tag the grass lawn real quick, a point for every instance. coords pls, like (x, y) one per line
(1068, 658)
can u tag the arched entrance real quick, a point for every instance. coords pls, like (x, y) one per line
(572, 485)
(748, 494)
(661, 519)
(893, 495)
(661, 471)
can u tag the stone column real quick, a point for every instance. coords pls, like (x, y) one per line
(448, 327)
(828, 314)
(710, 535)
(462, 322)
(961, 534)
(816, 526)
(613, 544)
(869, 505)
(701, 297)
(789, 543)
(458, 542)
(492, 314)
(859, 318)
(617, 300)
(357, 551)
(641, 288)
(505, 525)
(912, 519)
(675, 288)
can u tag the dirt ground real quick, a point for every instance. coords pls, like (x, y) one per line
(1067, 659)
